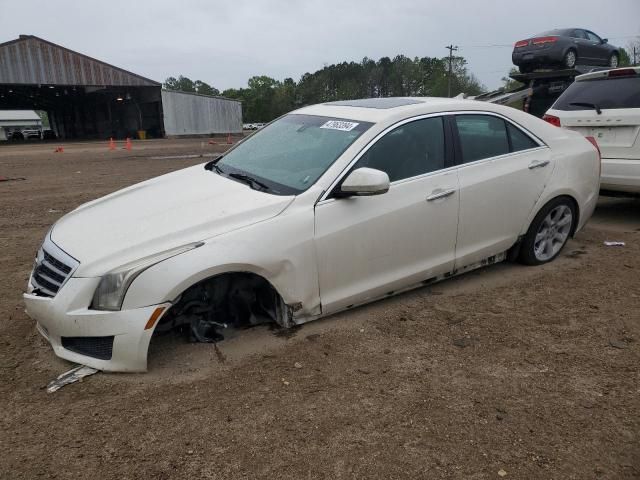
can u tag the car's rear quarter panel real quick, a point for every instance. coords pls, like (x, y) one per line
(576, 173)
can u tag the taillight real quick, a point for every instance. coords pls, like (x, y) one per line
(623, 72)
(541, 40)
(521, 43)
(552, 119)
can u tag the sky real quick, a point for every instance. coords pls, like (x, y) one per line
(225, 42)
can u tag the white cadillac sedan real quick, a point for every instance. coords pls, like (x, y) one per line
(326, 208)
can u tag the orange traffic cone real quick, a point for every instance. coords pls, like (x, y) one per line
(127, 145)
(229, 142)
(59, 149)
(112, 144)
(211, 142)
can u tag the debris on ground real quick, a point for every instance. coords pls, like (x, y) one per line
(501, 413)
(297, 365)
(14, 179)
(72, 376)
(620, 344)
(502, 473)
(614, 244)
(576, 253)
(464, 342)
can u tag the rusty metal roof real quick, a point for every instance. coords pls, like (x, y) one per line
(30, 60)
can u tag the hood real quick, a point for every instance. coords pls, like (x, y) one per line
(186, 206)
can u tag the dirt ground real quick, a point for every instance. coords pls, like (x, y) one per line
(529, 371)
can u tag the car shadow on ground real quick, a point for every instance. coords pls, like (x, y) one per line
(617, 214)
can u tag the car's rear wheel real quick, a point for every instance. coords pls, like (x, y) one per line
(549, 232)
(570, 59)
(613, 60)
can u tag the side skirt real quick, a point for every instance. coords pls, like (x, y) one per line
(492, 260)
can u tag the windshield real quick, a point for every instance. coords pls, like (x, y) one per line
(289, 155)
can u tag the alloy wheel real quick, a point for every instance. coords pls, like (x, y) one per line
(553, 233)
(570, 59)
(613, 62)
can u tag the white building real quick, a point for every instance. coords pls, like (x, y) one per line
(11, 120)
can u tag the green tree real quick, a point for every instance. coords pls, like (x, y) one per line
(633, 46)
(623, 58)
(204, 88)
(508, 82)
(185, 84)
(266, 98)
(181, 83)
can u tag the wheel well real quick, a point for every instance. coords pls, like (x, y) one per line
(215, 305)
(576, 209)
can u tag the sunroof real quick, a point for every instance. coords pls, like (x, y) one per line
(376, 102)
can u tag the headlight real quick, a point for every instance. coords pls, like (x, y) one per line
(114, 285)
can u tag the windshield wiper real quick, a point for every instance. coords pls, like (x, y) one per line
(588, 105)
(252, 182)
(217, 168)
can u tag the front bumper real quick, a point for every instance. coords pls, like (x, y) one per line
(620, 175)
(67, 315)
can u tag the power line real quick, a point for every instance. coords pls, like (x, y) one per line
(495, 45)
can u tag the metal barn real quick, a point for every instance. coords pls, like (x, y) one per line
(87, 98)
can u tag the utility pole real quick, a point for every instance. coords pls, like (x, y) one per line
(634, 56)
(451, 49)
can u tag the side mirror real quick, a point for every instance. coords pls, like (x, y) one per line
(605, 40)
(364, 182)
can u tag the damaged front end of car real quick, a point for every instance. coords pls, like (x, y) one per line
(216, 308)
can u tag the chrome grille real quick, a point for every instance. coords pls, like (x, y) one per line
(52, 269)
(56, 263)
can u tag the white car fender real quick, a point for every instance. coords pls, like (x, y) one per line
(287, 262)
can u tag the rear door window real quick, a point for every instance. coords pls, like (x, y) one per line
(578, 34)
(622, 92)
(520, 140)
(481, 136)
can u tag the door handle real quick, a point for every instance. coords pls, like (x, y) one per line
(441, 194)
(538, 164)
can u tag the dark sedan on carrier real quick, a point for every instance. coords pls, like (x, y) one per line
(565, 47)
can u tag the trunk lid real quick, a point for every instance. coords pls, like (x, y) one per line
(617, 131)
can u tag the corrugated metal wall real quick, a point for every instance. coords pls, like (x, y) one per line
(192, 114)
(31, 60)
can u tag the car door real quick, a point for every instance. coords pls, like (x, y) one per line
(597, 51)
(582, 45)
(370, 246)
(502, 172)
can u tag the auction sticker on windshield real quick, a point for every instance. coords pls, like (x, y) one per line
(340, 125)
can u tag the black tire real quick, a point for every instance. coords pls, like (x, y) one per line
(570, 59)
(527, 252)
(614, 58)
